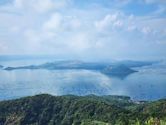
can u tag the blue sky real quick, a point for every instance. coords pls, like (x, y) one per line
(84, 29)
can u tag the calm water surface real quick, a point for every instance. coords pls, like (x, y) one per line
(147, 84)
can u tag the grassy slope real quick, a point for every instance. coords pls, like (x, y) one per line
(87, 110)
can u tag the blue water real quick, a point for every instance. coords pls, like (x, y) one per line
(147, 84)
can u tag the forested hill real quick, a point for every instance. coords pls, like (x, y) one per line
(81, 110)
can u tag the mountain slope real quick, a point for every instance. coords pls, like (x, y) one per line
(75, 110)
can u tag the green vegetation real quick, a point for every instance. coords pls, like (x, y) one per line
(81, 110)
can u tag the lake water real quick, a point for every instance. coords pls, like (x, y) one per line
(147, 84)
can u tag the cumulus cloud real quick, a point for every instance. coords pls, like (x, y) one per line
(109, 21)
(91, 31)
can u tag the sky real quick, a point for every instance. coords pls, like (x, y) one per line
(84, 29)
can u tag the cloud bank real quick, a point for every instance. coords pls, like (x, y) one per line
(79, 29)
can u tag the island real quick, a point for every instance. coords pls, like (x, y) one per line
(118, 70)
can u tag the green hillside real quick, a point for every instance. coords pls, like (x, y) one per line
(81, 110)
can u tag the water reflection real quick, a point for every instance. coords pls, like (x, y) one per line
(145, 84)
(29, 82)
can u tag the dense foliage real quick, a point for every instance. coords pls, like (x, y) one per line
(81, 110)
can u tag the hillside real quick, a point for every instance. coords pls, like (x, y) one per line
(81, 110)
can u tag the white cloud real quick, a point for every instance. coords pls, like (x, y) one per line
(18, 3)
(40, 6)
(146, 30)
(75, 23)
(118, 23)
(79, 42)
(131, 28)
(15, 29)
(56, 26)
(109, 21)
(3, 47)
(54, 23)
(32, 36)
(44, 5)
